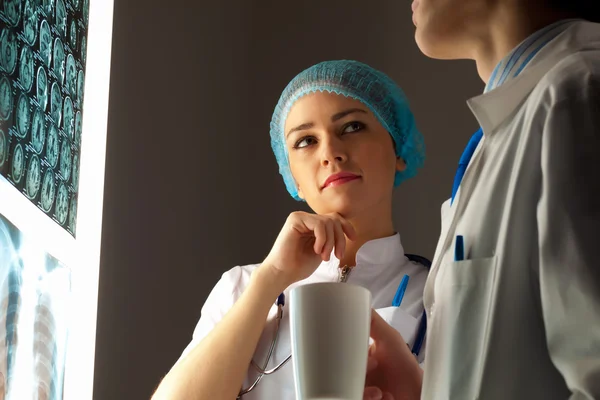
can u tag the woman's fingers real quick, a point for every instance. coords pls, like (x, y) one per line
(372, 393)
(340, 239)
(347, 228)
(371, 364)
(330, 232)
(330, 240)
(320, 233)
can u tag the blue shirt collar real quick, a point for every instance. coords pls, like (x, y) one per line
(511, 65)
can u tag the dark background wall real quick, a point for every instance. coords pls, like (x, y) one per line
(192, 187)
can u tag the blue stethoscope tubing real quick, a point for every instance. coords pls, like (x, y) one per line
(416, 349)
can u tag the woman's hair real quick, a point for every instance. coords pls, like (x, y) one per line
(360, 82)
(586, 9)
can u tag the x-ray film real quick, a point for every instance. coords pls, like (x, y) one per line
(42, 70)
(34, 307)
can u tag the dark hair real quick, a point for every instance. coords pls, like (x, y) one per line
(586, 9)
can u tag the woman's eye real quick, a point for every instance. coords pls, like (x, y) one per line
(353, 127)
(306, 141)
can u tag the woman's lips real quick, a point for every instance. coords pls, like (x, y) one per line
(340, 179)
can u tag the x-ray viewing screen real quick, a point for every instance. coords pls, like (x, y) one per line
(34, 300)
(42, 75)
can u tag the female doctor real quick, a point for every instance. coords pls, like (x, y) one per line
(343, 136)
(513, 297)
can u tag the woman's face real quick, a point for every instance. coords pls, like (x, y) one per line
(329, 134)
(448, 29)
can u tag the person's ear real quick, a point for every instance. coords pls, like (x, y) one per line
(300, 194)
(400, 164)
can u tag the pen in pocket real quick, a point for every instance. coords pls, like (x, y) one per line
(459, 248)
(400, 292)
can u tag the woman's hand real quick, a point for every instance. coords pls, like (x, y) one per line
(304, 241)
(392, 371)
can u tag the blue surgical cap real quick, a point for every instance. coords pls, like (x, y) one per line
(369, 86)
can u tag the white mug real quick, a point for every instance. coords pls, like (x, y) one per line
(330, 325)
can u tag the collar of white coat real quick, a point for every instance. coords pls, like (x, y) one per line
(494, 107)
(377, 252)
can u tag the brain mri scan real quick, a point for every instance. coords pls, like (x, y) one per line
(65, 160)
(78, 128)
(73, 213)
(26, 68)
(75, 173)
(61, 17)
(56, 103)
(58, 65)
(73, 35)
(86, 11)
(71, 75)
(8, 50)
(80, 86)
(45, 43)
(62, 203)
(18, 163)
(30, 17)
(83, 49)
(42, 88)
(3, 148)
(23, 116)
(34, 177)
(12, 11)
(68, 117)
(52, 146)
(48, 191)
(43, 52)
(38, 131)
(6, 99)
(47, 7)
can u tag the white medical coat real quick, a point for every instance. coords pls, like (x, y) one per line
(519, 318)
(380, 266)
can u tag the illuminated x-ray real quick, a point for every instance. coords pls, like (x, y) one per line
(34, 301)
(43, 46)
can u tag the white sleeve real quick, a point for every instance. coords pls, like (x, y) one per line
(220, 300)
(568, 217)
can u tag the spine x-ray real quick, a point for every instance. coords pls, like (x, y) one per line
(42, 75)
(34, 308)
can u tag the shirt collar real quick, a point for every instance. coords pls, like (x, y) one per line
(511, 65)
(538, 54)
(384, 251)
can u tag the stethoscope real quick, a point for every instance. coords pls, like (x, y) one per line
(280, 303)
(416, 349)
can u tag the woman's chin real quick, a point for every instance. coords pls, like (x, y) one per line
(342, 204)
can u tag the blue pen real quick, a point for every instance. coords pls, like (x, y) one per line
(400, 292)
(459, 249)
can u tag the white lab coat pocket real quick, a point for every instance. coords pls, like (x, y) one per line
(461, 314)
(403, 322)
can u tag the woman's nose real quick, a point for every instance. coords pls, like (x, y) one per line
(333, 152)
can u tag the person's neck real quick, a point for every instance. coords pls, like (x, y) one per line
(507, 29)
(368, 226)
